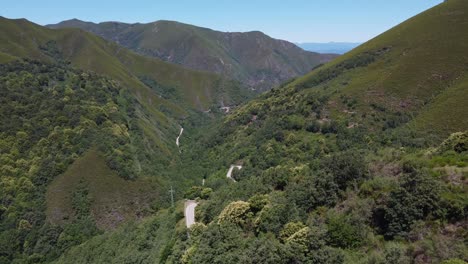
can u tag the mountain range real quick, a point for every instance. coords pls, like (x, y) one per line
(106, 146)
(330, 47)
(253, 58)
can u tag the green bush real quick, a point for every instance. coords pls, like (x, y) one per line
(236, 213)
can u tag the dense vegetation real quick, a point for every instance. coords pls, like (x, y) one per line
(338, 166)
(119, 129)
(350, 204)
(50, 115)
(329, 197)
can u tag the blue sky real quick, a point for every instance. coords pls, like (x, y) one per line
(293, 20)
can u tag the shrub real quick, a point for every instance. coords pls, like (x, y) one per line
(342, 232)
(454, 261)
(313, 126)
(206, 193)
(307, 238)
(198, 192)
(258, 201)
(197, 229)
(293, 122)
(395, 253)
(457, 142)
(276, 177)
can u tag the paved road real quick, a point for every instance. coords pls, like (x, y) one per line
(190, 212)
(229, 173)
(180, 134)
(190, 205)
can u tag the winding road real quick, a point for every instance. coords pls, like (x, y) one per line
(178, 137)
(190, 212)
(229, 173)
(189, 208)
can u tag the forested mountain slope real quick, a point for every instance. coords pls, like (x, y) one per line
(251, 57)
(87, 135)
(363, 160)
(51, 115)
(187, 88)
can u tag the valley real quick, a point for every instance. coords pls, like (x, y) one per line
(135, 143)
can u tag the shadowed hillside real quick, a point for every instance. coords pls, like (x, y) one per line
(251, 57)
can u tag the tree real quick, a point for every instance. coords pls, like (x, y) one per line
(236, 213)
(290, 229)
(346, 167)
(417, 198)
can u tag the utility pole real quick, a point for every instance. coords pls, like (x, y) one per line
(172, 196)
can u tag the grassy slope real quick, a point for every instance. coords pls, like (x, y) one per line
(115, 200)
(422, 73)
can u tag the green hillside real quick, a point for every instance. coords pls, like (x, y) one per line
(344, 164)
(196, 90)
(252, 57)
(114, 200)
(86, 125)
(51, 114)
(363, 160)
(417, 68)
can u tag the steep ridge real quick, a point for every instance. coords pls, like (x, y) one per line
(417, 68)
(251, 57)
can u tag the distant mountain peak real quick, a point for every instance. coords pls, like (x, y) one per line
(328, 47)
